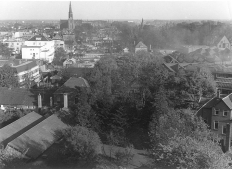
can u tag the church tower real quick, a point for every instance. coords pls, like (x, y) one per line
(70, 18)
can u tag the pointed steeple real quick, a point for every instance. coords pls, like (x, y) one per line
(70, 14)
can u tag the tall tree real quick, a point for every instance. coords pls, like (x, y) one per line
(8, 77)
(60, 55)
(5, 51)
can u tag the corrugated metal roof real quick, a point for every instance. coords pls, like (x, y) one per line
(9, 132)
(39, 138)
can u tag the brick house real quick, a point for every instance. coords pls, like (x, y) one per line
(216, 113)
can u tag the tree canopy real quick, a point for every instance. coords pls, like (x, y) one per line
(8, 77)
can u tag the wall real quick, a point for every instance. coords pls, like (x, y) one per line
(221, 106)
(140, 49)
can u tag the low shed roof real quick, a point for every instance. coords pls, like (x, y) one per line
(11, 131)
(39, 138)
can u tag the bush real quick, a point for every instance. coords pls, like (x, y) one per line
(11, 161)
(81, 144)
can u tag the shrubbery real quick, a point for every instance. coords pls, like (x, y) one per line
(80, 144)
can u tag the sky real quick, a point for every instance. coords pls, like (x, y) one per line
(113, 10)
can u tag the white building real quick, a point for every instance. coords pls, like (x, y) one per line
(14, 44)
(38, 47)
(23, 69)
(140, 47)
(22, 34)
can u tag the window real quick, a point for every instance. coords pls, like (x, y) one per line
(76, 100)
(34, 43)
(216, 125)
(216, 112)
(223, 129)
(225, 112)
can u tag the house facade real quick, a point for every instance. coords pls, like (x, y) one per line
(223, 43)
(140, 47)
(38, 47)
(15, 44)
(216, 113)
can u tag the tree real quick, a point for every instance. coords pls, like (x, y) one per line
(8, 77)
(80, 145)
(183, 140)
(60, 55)
(5, 51)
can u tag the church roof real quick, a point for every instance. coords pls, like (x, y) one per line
(140, 45)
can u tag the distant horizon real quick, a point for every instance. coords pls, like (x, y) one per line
(116, 10)
(117, 19)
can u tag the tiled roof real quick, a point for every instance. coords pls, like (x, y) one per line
(211, 103)
(71, 84)
(13, 130)
(17, 96)
(39, 138)
(140, 45)
(39, 38)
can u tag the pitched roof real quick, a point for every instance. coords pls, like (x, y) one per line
(57, 37)
(38, 38)
(17, 96)
(13, 130)
(72, 83)
(140, 45)
(25, 66)
(228, 100)
(39, 138)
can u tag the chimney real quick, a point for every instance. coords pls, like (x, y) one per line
(218, 93)
(39, 101)
(51, 101)
(228, 137)
(65, 100)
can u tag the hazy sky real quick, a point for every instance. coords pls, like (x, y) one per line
(116, 9)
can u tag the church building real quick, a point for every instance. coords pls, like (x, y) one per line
(67, 27)
(68, 24)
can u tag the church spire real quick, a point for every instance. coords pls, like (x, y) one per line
(70, 14)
